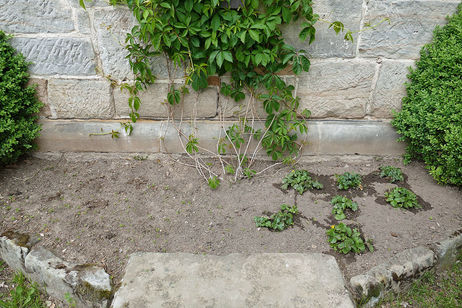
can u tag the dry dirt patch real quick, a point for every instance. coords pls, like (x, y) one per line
(99, 208)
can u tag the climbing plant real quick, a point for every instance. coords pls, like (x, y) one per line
(208, 37)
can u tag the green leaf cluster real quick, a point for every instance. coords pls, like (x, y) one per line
(431, 117)
(343, 239)
(280, 220)
(22, 295)
(208, 38)
(18, 105)
(301, 181)
(394, 174)
(400, 197)
(213, 182)
(348, 180)
(340, 205)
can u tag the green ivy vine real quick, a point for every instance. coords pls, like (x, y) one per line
(206, 38)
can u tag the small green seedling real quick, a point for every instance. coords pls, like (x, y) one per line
(214, 182)
(24, 294)
(400, 197)
(348, 180)
(340, 205)
(278, 221)
(394, 174)
(301, 181)
(344, 240)
(249, 173)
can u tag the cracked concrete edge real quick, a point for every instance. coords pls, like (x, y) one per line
(325, 137)
(368, 288)
(86, 285)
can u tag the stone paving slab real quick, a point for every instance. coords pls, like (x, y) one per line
(235, 280)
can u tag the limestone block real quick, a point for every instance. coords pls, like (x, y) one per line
(327, 43)
(338, 89)
(111, 28)
(83, 21)
(153, 103)
(48, 270)
(390, 87)
(13, 251)
(64, 56)
(38, 16)
(411, 26)
(71, 98)
(447, 250)
(94, 286)
(90, 4)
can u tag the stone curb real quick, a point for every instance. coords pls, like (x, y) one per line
(332, 137)
(88, 284)
(369, 287)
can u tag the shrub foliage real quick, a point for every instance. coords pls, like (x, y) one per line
(431, 117)
(18, 105)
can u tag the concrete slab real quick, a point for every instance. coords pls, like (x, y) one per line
(235, 280)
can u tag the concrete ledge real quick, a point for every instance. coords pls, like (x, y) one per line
(324, 137)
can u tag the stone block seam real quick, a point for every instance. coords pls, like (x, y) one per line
(368, 288)
(88, 284)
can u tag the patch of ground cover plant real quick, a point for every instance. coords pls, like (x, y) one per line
(394, 174)
(348, 180)
(400, 197)
(18, 105)
(430, 121)
(301, 181)
(343, 239)
(23, 295)
(340, 205)
(443, 289)
(278, 221)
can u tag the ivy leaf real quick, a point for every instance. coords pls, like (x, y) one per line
(254, 35)
(242, 37)
(228, 56)
(220, 58)
(286, 14)
(349, 36)
(156, 41)
(136, 103)
(305, 63)
(82, 4)
(215, 22)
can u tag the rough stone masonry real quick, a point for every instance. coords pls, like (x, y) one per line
(73, 51)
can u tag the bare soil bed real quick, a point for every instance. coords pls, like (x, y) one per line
(100, 208)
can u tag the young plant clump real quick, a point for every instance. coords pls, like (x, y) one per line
(348, 180)
(18, 105)
(401, 197)
(278, 221)
(394, 174)
(430, 120)
(301, 181)
(340, 205)
(24, 294)
(344, 240)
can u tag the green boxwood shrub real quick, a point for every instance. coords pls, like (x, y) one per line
(18, 105)
(431, 117)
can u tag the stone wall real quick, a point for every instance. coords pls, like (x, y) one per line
(73, 51)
